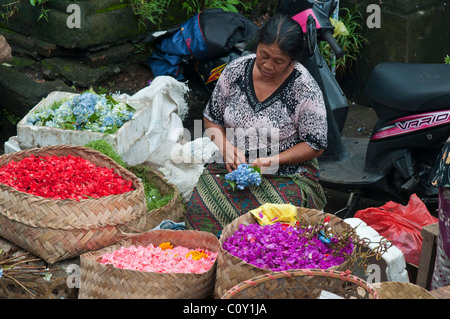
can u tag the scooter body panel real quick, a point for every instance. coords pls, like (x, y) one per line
(400, 89)
(349, 172)
(420, 133)
(414, 123)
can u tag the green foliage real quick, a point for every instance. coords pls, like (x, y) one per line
(351, 43)
(103, 147)
(11, 117)
(194, 6)
(154, 197)
(447, 59)
(9, 9)
(152, 194)
(44, 12)
(37, 2)
(152, 11)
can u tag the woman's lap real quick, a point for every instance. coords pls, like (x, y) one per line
(214, 203)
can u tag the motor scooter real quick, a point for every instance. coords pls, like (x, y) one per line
(412, 103)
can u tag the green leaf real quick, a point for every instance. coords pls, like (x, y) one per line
(56, 105)
(91, 90)
(130, 108)
(112, 130)
(48, 118)
(232, 8)
(94, 117)
(111, 99)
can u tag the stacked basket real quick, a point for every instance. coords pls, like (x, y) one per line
(174, 210)
(60, 230)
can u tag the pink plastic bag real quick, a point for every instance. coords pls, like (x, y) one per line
(402, 225)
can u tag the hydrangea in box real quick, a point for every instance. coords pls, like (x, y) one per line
(77, 119)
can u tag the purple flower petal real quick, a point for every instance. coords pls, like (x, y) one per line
(272, 247)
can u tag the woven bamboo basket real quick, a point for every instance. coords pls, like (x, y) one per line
(302, 284)
(232, 270)
(55, 230)
(100, 281)
(174, 210)
(401, 290)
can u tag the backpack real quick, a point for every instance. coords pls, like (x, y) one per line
(210, 34)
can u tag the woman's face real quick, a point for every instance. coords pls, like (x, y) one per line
(271, 62)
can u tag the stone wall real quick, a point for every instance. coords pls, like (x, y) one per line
(66, 54)
(5, 50)
(102, 22)
(412, 31)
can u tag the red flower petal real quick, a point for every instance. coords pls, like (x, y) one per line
(62, 177)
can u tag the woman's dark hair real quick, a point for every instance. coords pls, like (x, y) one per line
(284, 31)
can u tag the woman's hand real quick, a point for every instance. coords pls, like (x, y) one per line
(267, 165)
(232, 156)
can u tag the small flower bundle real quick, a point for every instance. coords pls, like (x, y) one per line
(87, 111)
(62, 177)
(243, 176)
(164, 258)
(23, 267)
(279, 247)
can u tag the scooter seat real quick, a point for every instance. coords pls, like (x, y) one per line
(397, 88)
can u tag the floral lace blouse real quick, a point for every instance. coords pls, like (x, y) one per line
(294, 113)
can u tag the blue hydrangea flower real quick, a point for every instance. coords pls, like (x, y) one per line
(108, 120)
(245, 175)
(62, 114)
(84, 107)
(33, 118)
(87, 111)
(51, 124)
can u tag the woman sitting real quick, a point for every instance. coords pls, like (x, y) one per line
(266, 110)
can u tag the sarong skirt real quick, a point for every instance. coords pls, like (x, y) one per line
(214, 203)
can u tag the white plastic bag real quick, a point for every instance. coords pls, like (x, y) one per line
(162, 147)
